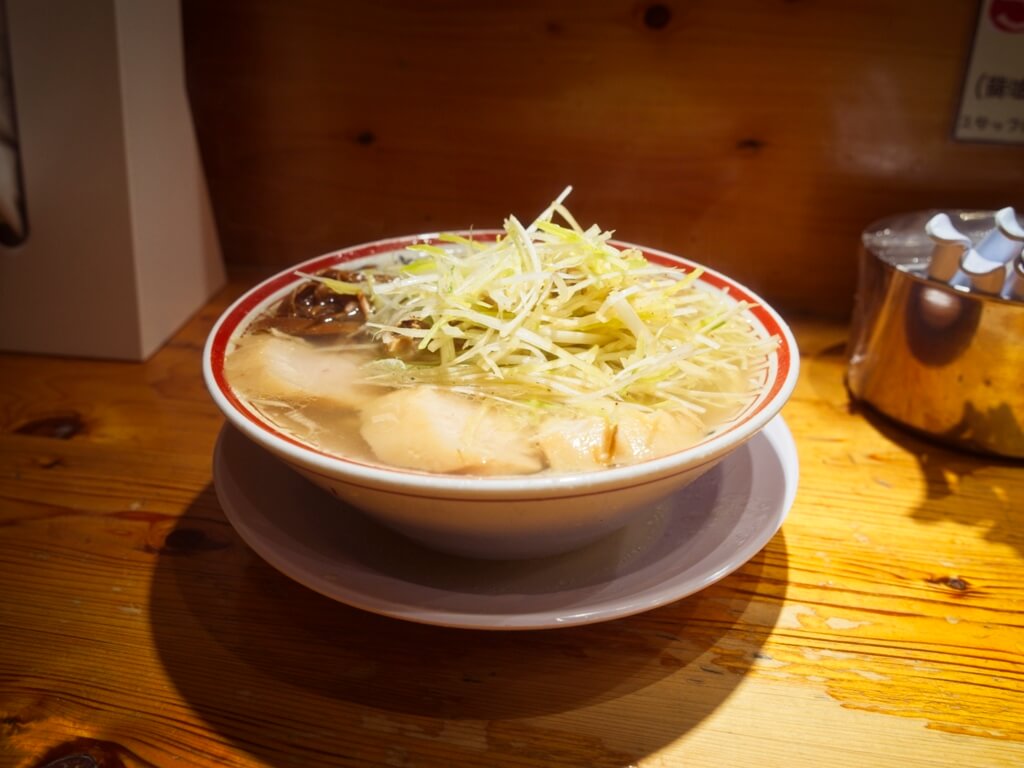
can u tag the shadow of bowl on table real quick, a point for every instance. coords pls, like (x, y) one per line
(293, 677)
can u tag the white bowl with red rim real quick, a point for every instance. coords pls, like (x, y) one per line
(505, 517)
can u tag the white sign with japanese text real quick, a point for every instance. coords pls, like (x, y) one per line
(992, 101)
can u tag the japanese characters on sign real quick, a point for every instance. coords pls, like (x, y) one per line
(992, 101)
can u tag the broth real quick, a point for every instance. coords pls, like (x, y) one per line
(547, 350)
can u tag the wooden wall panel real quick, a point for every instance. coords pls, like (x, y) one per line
(757, 136)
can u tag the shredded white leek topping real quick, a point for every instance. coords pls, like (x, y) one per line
(553, 314)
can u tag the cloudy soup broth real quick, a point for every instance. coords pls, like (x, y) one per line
(541, 348)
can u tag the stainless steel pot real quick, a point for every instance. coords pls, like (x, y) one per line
(938, 359)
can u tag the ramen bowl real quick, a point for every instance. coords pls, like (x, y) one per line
(495, 517)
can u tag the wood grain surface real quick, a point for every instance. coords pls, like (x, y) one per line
(758, 136)
(881, 626)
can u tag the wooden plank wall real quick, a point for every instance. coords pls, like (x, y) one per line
(757, 136)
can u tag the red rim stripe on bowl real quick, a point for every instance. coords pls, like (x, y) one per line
(260, 293)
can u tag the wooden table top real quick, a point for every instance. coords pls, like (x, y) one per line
(881, 626)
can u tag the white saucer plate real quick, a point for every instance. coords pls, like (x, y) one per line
(689, 541)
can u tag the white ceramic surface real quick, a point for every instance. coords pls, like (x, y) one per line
(527, 515)
(683, 544)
